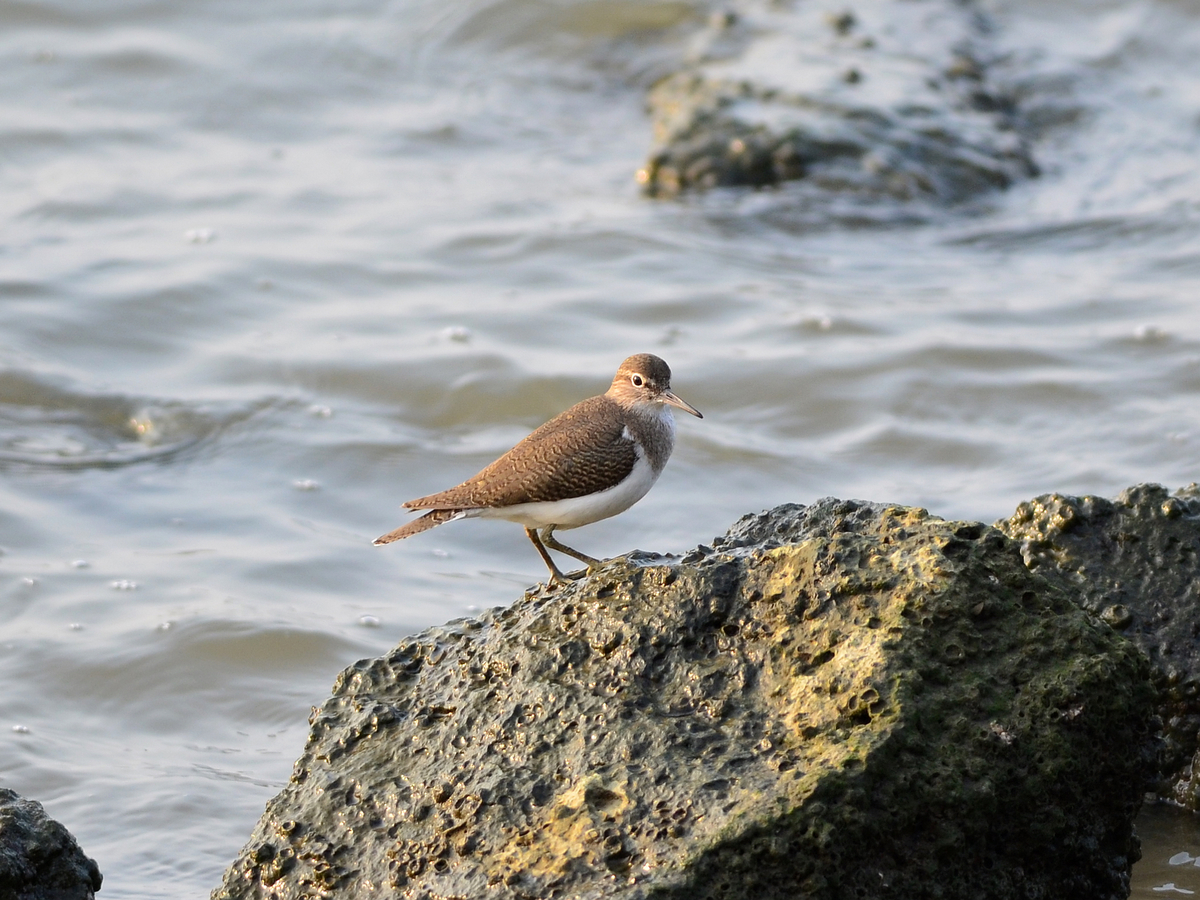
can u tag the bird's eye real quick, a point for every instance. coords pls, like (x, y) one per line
(637, 380)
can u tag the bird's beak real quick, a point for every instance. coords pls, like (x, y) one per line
(669, 397)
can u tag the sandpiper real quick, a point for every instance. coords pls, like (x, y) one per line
(593, 461)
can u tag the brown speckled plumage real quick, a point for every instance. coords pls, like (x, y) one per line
(578, 452)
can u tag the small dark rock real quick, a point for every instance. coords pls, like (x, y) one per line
(39, 860)
(842, 23)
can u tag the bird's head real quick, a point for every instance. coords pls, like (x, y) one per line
(645, 379)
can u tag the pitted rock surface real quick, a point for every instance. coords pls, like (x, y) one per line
(831, 701)
(39, 859)
(1135, 562)
(891, 99)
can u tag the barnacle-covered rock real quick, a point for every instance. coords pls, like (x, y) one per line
(835, 701)
(1134, 562)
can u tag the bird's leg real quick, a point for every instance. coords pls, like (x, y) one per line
(556, 577)
(549, 540)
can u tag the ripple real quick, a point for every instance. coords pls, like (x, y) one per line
(1088, 233)
(48, 425)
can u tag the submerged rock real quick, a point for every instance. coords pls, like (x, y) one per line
(834, 701)
(1135, 562)
(891, 100)
(39, 860)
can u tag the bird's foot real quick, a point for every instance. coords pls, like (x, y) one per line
(562, 579)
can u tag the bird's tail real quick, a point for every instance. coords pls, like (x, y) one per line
(416, 526)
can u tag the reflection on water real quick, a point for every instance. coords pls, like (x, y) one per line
(267, 271)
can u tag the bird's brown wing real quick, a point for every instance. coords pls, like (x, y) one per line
(578, 452)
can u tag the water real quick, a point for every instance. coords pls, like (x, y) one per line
(268, 270)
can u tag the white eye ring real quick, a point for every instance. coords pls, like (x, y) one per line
(636, 379)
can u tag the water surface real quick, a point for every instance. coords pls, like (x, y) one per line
(267, 271)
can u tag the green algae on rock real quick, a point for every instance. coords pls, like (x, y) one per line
(833, 701)
(1134, 562)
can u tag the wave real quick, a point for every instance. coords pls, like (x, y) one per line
(52, 425)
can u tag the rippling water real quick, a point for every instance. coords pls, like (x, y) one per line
(268, 270)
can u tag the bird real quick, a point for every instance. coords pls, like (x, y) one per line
(591, 462)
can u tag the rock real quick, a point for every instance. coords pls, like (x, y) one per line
(891, 101)
(39, 860)
(1134, 562)
(834, 701)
